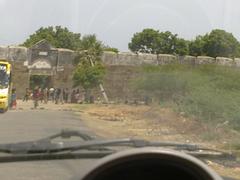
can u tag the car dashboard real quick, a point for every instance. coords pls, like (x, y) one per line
(151, 164)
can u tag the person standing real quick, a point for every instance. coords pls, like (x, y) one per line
(45, 95)
(41, 95)
(57, 95)
(51, 94)
(27, 95)
(77, 96)
(61, 96)
(36, 96)
(13, 104)
(66, 95)
(73, 96)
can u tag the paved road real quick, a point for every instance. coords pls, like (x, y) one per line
(27, 124)
(34, 124)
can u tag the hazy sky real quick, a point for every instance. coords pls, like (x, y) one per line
(115, 21)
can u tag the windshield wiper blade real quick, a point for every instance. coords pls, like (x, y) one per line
(47, 146)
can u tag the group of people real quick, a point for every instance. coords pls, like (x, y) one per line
(56, 95)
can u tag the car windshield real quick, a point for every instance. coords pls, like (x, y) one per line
(156, 70)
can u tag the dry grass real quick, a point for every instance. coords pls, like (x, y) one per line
(156, 123)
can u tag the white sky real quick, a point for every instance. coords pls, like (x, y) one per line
(115, 21)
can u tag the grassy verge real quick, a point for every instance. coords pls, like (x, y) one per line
(209, 93)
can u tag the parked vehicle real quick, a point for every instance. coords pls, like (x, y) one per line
(5, 85)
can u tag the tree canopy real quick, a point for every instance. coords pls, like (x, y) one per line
(88, 76)
(61, 37)
(196, 47)
(145, 41)
(216, 43)
(58, 36)
(89, 71)
(110, 49)
(221, 43)
(155, 42)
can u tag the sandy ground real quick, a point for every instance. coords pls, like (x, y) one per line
(42, 106)
(156, 123)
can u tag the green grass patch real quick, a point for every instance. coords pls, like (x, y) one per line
(209, 92)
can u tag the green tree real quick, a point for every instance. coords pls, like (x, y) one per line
(111, 49)
(196, 47)
(145, 41)
(89, 72)
(221, 43)
(58, 36)
(166, 43)
(182, 47)
(216, 43)
(66, 39)
(155, 42)
(238, 51)
(88, 76)
(92, 45)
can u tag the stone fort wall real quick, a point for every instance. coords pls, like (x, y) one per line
(121, 67)
(21, 54)
(131, 59)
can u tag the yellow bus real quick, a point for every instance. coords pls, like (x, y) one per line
(5, 85)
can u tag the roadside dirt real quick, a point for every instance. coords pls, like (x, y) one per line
(151, 123)
(156, 123)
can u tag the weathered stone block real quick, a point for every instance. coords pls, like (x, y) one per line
(3, 52)
(237, 62)
(190, 60)
(224, 61)
(150, 59)
(205, 60)
(166, 59)
(127, 59)
(109, 58)
(17, 53)
(20, 78)
(65, 56)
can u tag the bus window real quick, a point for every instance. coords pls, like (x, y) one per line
(4, 79)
